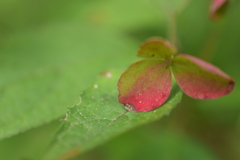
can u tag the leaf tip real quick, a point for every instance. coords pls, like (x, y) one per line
(231, 85)
(218, 8)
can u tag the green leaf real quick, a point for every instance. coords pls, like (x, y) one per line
(99, 117)
(157, 47)
(43, 72)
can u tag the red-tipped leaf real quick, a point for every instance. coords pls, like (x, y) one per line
(157, 47)
(145, 85)
(218, 8)
(199, 79)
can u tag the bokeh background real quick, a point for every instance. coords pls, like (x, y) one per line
(95, 35)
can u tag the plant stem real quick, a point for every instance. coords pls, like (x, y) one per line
(172, 28)
(211, 43)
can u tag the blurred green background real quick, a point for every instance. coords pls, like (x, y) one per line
(51, 50)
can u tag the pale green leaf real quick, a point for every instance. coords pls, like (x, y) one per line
(43, 72)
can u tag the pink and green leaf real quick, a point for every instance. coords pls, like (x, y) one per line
(145, 85)
(157, 47)
(218, 8)
(199, 79)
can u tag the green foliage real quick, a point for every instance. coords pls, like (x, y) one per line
(50, 51)
(99, 116)
(38, 86)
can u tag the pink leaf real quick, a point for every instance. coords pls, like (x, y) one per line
(199, 79)
(145, 85)
(217, 8)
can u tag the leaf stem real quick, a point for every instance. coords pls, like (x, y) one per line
(172, 28)
(171, 15)
(210, 45)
